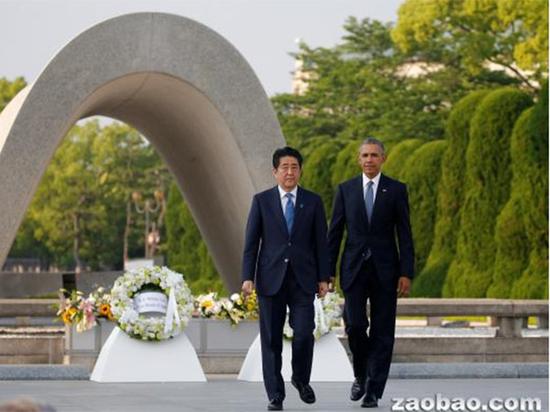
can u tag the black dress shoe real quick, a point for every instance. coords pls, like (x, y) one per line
(275, 405)
(357, 389)
(369, 401)
(305, 390)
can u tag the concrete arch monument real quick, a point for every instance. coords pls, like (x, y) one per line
(186, 88)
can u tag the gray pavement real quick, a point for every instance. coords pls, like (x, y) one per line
(223, 394)
(426, 370)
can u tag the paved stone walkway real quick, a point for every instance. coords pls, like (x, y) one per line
(231, 395)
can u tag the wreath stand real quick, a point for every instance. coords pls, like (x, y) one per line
(330, 361)
(124, 359)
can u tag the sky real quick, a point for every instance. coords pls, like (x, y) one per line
(264, 31)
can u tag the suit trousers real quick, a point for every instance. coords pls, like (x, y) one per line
(371, 352)
(273, 311)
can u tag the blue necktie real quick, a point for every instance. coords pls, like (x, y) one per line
(369, 200)
(289, 211)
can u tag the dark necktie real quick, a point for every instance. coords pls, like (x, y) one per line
(369, 200)
(289, 211)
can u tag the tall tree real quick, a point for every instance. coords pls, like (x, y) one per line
(530, 144)
(488, 175)
(185, 248)
(318, 170)
(421, 173)
(450, 197)
(470, 35)
(67, 204)
(129, 165)
(398, 155)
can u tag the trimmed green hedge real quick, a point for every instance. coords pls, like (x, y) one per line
(429, 282)
(318, 169)
(530, 145)
(347, 164)
(488, 176)
(398, 155)
(421, 173)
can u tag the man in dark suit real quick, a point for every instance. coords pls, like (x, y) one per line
(373, 208)
(285, 253)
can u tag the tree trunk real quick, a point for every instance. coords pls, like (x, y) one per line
(127, 230)
(76, 243)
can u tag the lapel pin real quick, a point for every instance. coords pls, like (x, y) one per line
(384, 190)
(301, 205)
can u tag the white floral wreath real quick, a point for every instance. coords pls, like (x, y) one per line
(328, 315)
(139, 326)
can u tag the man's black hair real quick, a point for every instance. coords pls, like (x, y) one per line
(286, 151)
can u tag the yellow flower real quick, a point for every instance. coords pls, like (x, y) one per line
(72, 311)
(104, 309)
(66, 317)
(207, 304)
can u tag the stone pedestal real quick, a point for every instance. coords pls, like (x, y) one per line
(330, 361)
(124, 359)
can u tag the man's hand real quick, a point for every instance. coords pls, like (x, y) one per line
(331, 284)
(248, 287)
(403, 287)
(323, 289)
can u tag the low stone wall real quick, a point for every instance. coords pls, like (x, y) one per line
(221, 348)
(32, 285)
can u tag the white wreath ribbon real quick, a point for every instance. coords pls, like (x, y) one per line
(171, 313)
(320, 315)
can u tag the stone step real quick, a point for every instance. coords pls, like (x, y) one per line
(397, 371)
(43, 372)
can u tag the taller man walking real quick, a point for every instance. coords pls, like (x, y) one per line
(373, 208)
(285, 253)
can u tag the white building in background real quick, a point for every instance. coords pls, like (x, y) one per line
(300, 78)
(414, 70)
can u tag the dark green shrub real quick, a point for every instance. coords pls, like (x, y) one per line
(429, 282)
(421, 173)
(398, 155)
(488, 175)
(318, 169)
(530, 144)
(346, 165)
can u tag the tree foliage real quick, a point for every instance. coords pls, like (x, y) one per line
(9, 89)
(398, 155)
(67, 204)
(421, 174)
(530, 144)
(81, 212)
(488, 175)
(468, 35)
(450, 197)
(186, 251)
(318, 170)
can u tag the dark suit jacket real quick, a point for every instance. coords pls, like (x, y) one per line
(390, 217)
(269, 248)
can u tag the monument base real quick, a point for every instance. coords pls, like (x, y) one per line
(124, 359)
(330, 361)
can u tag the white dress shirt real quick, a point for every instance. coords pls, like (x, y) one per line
(375, 180)
(284, 199)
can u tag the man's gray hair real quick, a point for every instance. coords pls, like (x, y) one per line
(372, 140)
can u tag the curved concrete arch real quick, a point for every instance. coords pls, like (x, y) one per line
(183, 86)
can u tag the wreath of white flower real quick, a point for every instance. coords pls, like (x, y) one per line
(151, 328)
(328, 315)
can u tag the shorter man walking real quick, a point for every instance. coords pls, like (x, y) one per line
(286, 254)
